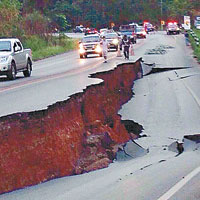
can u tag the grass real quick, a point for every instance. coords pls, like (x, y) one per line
(43, 47)
(194, 46)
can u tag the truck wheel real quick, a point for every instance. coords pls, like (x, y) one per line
(27, 72)
(12, 73)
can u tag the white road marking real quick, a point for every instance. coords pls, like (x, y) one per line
(196, 98)
(179, 185)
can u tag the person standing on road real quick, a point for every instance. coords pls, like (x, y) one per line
(186, 38)
(105, 48)
(126, 44)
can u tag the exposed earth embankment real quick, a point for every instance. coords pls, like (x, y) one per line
(71, 137)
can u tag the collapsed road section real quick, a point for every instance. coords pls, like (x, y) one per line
(71, 137)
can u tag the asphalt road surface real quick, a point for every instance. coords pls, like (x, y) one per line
(166, 103)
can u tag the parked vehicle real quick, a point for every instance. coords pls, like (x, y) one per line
(129, 30)
(90, 44)
(113, 40)
(14, 58)
(140, 32)
(149, 27)
(172, 28)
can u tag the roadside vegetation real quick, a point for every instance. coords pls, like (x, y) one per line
(49, 46)
(195, 45)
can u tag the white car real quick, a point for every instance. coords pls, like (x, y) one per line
(14, 58)
(172, 28)
(90, 44)
(140, 32)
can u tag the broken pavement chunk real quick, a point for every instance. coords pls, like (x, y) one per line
(176, 147)
(191, 142)
(131, 150)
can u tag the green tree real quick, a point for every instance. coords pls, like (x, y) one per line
(10, 18)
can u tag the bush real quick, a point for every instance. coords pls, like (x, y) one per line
(35, 43)
(43, 47)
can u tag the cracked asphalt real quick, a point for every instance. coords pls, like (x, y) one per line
(166, 104)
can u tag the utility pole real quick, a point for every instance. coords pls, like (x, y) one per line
(161, 12)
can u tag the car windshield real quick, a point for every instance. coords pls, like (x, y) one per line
(127, 27)
(126, 33)
(111, 36)
(139, 29)
(91, 39)
(172, 26)
(5, 46)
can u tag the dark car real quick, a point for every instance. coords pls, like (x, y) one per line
(79, 29)
(113, 40)
(129, 30)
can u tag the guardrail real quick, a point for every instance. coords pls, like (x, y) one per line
(195, 37)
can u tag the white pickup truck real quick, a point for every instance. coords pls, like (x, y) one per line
(14, 58)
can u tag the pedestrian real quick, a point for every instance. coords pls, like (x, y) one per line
(104, 44)
(131, 50)
(131, 47)
(186, 38)
(126, 45)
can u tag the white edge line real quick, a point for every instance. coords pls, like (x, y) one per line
(192, 93)
(179, 185)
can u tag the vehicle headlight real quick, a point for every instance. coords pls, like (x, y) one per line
(3, 59)
(115, 41)
(81, 49)
(81, 46)
(98, 49)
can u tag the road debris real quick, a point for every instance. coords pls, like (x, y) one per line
(159, 50)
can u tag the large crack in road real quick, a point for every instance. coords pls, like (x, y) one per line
(75, 136)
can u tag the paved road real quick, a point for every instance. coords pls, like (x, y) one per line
(53, 79)
(167, 104)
